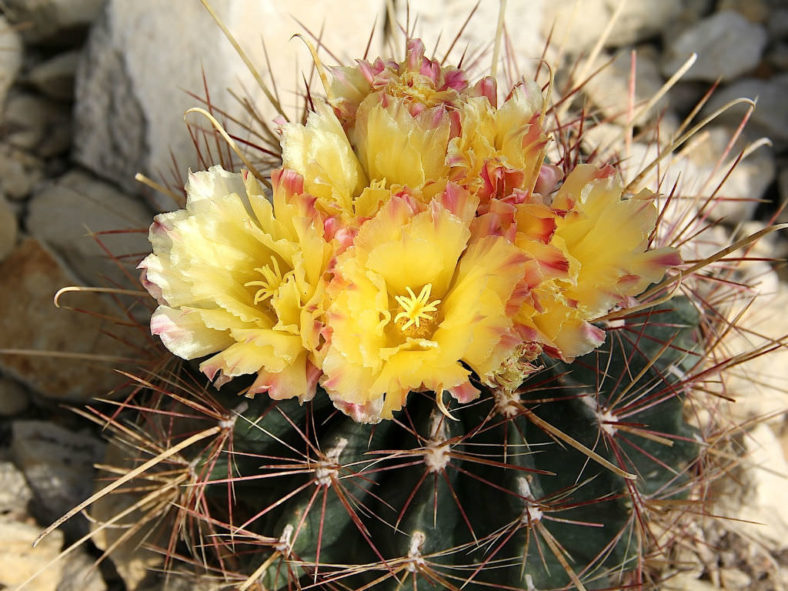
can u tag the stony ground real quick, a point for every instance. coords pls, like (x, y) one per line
(93, 91)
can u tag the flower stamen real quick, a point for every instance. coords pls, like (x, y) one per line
(272, 280)
(416, 308)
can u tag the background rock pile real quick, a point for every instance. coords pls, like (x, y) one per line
(94, 91)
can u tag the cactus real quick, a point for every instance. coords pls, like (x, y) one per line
(323, 453)
(551, 485)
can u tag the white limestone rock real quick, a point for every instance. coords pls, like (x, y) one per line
(524, 23)
(578, 25)
(19, 560)
(144, 56)
(608, 90)
(63, 213)
(770, 117)
(44, 20)
(727, 45)
(10, 57)
(15, 494)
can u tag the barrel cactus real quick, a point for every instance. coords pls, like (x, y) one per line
(433, 349)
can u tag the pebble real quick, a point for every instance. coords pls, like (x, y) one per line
(58, 465)
(133, 562)
(55, 77)
(37, 124)
(15, 494)
(62, 214)
(29, 278)
(80, 574)
(578, 25)
(761, 505)
(693, 170)
(8, 228)
(608, 89)
(770, 116)
(760, 383)
(10, 57)
(13, 397)
(56, 21)
(727, 45)
(741, 190)
(19, 560)
(19, 171)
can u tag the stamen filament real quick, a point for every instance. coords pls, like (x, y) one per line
(416, 308)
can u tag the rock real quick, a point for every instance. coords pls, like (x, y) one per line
(80, 574)
(64, 212)
(19, 560)
(58, 465)
(756, 11)
(37, 124)
(733, 578)
(608, 89)
(13, 399)
(29, 278)
(43, 20)
(19, 172)
(578, 25)
(778, 24)
(761, 504)
(696, 172)
(15, 494)
(142, 56)
(10, 57)
(759, 384)
(687, 582)
(770, 116)
(727, 45)
(778, 56)
(55, 77)
(133, 562)
(783, 186)
(738, 197)
(8, 228)
(446, 19)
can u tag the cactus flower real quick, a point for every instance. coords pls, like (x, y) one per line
(412, 301)
(595, 254)
(239, 278)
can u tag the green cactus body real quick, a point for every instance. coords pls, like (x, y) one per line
(493, 497)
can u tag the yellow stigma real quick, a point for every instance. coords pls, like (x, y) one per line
(416, 308)
(272, 279)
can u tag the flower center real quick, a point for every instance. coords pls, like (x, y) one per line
(272, 280)
(417, 310)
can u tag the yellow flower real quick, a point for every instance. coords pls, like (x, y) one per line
(418, 81)
(321, 153)
(241, 277)
(500, 150)
(594, 257)
(412, 300)
(400, 149)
